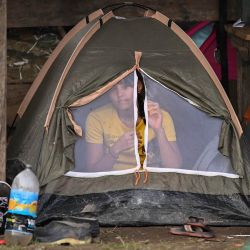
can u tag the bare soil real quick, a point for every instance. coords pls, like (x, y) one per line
(156, 238)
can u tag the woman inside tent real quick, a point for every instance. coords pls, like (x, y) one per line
(110, 131)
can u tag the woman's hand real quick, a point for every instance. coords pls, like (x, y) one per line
(126, 141)
(154, 115)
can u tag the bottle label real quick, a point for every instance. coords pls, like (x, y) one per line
(20, 223)
(23, 202)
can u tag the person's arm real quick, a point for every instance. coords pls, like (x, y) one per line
(95, 149)
(169, 152)
(100, 158)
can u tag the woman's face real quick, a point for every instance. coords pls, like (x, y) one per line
(122, 96)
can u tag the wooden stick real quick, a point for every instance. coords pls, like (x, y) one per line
(3, 26)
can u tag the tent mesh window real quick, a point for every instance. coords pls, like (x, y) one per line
(109, 137)
(112, 133)
(195, 133)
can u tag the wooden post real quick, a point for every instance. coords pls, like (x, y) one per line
(3, 26)
(222, 44)
(241, 41)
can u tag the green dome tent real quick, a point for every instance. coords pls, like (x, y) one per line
(69, 108)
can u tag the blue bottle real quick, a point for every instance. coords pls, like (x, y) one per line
(22, 209)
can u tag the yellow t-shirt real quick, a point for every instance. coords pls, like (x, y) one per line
(103, 126)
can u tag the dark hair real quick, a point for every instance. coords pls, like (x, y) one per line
(128, 80)
(141, 97)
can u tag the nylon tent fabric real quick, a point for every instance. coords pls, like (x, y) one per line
(26, 145)
(172, 64)
(107, 55)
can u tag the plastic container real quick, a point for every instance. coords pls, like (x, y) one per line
(20, 221)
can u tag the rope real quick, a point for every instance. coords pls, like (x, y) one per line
(146, 174)
(137, 177)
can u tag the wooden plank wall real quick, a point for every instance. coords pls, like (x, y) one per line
(2, 88)
(32, 13)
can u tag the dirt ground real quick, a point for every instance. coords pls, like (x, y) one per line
(156, 238)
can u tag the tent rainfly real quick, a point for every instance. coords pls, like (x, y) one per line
(93, 145)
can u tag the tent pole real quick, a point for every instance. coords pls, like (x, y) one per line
(222, 44)
(3, 25)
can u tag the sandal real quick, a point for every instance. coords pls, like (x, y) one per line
(193, 219)
(197, 229)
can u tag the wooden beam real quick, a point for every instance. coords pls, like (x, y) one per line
(31, 13)
(241, 41)
(222, 44)
(3, 21)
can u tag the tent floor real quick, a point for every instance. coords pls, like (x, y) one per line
(147, 238)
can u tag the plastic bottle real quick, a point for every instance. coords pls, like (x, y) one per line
(20, 221)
